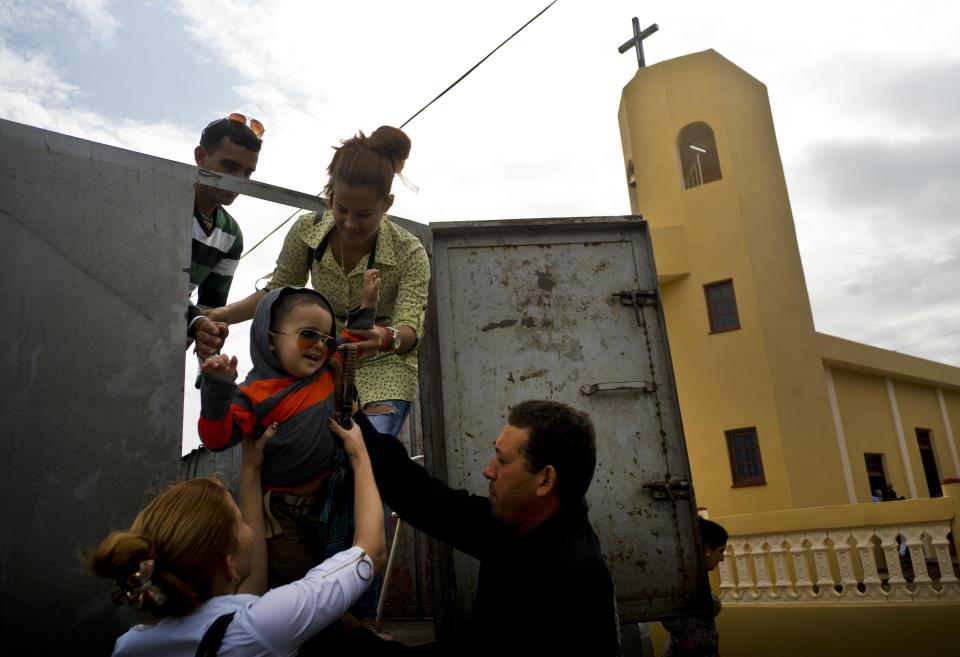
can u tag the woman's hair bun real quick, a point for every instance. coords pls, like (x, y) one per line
(119, 554)
(369, 161)
(392, 142)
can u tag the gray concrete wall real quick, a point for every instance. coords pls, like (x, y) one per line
(94, 242)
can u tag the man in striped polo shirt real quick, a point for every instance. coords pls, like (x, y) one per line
(232, 147)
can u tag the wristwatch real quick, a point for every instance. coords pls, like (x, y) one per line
(395, 342)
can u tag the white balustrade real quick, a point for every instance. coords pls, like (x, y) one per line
(783, 585)
(848, 579)
(802, 585)
(850, 565)
(740, 556)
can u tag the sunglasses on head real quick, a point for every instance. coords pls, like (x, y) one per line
(308, 338)
(242, 120)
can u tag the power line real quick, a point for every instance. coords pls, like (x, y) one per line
(936, 337)
(455, 83)
(281, 225)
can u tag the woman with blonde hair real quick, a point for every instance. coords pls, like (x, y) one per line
(194, 565)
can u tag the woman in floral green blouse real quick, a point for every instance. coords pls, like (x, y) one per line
(336, 247)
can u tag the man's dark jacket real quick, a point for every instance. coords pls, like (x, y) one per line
(549, 588)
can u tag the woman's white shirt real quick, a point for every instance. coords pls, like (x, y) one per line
(276, 623)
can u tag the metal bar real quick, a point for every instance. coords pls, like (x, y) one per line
(259, 190)
(592, 388)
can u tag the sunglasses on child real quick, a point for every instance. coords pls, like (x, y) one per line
(308, 338)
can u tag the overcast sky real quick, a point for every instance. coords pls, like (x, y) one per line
(864, 97)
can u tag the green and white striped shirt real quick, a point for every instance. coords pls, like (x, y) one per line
(213, 260)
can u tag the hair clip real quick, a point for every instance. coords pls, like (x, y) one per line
(139, 587)
(408, 184)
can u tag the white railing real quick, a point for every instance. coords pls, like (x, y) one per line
(873, 564)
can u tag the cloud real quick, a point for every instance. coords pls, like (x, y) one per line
(913, 182)
(81, 18)
(927, 95)
(29, 85)
(873, 193)
(33, 92)
(880, 228)
(95, 16)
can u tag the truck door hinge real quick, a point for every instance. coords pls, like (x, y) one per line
(636, 297)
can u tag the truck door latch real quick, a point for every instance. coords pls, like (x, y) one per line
(638, 299)
(671, 488)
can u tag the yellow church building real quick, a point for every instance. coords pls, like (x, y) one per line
(789, 431)
(776, 415)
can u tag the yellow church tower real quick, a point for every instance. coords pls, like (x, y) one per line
(703, 168)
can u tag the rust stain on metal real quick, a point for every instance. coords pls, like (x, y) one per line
(498, 325)
(532, 375)
(545, 281)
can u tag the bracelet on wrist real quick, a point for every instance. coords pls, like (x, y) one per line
(387, 341)
(396, 342)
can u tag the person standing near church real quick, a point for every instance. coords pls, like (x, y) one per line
(232, 146)
(697, 636)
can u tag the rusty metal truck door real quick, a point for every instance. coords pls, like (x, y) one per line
(568, 309)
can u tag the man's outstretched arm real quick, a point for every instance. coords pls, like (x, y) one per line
(456, 517)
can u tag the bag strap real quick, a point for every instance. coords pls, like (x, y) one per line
(317, 253)
(213, 637)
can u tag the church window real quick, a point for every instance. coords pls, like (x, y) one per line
(876, 473)
(721, 306)
(699, 160)
(928, 459)
(746, 466)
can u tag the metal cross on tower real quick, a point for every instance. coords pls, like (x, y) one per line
(637, 40)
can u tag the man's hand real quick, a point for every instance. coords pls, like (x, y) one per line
(220, 367)
(209, 336)
(352, 439)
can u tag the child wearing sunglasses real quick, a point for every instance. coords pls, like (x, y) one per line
(292, 383)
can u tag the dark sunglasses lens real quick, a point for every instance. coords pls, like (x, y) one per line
(257, 128)
(308, 339)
